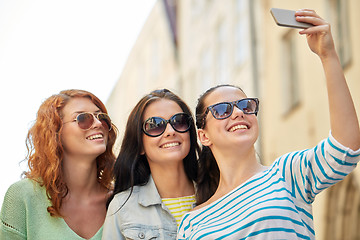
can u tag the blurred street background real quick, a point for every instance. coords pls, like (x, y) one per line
(188, 46)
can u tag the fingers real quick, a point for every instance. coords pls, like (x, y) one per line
(316, 29)
(306, 12)
(312, 20)
(310, 16)
(319, 36)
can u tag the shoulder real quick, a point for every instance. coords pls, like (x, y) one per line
(203, 205)
(21, 197)
(25, 193)
(122, 196)
(24, 188)
(198, 207)
(127, 196)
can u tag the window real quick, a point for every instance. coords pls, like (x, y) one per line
(206, 73)
(155, 58)
(221, 55)
(340, 23)
(343, 210)
(289, 69)
(241, 31)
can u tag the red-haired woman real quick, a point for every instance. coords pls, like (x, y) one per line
(70, 158)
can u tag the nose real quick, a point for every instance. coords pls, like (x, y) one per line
(169, 130)
(237, 112)
(97, 123)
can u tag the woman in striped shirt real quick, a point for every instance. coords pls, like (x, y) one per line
(241, 199)
(155, 170)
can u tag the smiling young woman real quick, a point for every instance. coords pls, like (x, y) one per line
(70, 158)
(155, 170)
(241, 199)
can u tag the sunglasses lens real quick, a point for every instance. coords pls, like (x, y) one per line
(154, 126)
(105, 120)
(85, 120)
(248, 106)
(221, 110)
(180, 122)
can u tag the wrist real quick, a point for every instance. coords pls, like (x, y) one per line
(329, 56)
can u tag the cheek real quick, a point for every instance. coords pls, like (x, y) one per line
(71, 138)
(216, 127)
(187, 143)
(64, 139)
(148, 144)
(255, 125)
(66, 143)
(254, 121)
(107, 136)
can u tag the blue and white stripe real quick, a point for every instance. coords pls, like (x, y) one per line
(276, 203)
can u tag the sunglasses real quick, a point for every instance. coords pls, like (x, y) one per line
(224, 110)
(155, 126)
(86, 120)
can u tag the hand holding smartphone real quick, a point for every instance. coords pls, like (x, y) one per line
(286, 18)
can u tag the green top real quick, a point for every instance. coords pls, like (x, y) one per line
(24, 215)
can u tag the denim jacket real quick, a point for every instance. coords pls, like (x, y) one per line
(143, 216)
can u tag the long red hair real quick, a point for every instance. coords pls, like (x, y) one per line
(45, 150)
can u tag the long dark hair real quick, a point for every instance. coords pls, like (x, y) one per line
(209, 173)
(131, 167)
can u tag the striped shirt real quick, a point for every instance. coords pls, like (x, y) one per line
(276, 203)
(179, 206)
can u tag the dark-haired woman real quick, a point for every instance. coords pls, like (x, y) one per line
(155, 170)
(241, 199)
(70, 158)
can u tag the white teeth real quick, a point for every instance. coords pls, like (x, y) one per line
(96, 136)
(238, 127)
(167, 145)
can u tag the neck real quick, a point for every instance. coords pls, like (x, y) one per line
(80, 176)
(171, 181)
(236, 167)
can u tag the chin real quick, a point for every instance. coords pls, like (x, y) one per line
(100, 151)
(177, 157)
(244, 141)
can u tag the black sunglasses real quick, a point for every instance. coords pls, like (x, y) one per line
(225, 109)
(86, 120)
(155, 126)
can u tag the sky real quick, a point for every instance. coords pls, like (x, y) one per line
(47, 46)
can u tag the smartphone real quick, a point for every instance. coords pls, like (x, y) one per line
(286, 18)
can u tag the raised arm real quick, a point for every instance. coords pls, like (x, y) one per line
(343, 119)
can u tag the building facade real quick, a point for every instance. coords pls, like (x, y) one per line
(151, 64)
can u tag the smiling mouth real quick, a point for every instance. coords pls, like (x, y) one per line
(234, 128)
(168, 145)
(96, 136)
